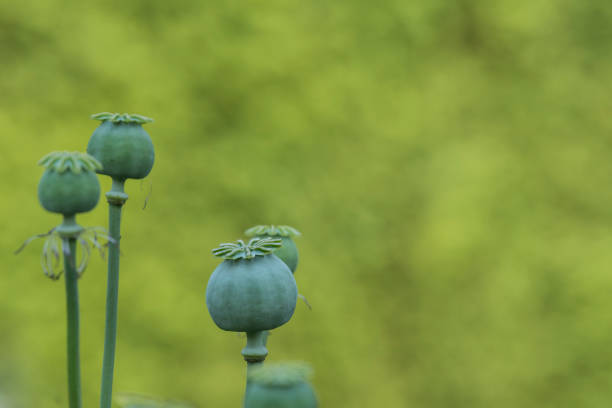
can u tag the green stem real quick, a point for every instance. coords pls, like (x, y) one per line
(255, 351)
(116, 198)
(72, 312)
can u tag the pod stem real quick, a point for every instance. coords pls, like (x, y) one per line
(255, 351)
(72, 312)
(116, 198)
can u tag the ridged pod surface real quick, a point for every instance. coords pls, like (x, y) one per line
(288, 252)
(279, 386)
(122, 146)
(247, 295)
(69, 184)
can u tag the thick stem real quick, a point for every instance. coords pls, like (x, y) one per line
(116, 198)
(255, 351)
(72, 312)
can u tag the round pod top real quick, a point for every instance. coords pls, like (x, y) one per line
(69, 184)
(288, 251)
(280, 385)
(252, 289)
(122, 146)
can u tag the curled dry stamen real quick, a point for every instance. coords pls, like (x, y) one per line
(55, 246)
(305, 301)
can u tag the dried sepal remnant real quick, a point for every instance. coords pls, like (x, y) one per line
(55, 247)
(240, 250)
(273, 231)
(121, 117)
(75, 162)
(281, 374)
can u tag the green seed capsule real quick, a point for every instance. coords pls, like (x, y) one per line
(122, 146)
(280, 386)
(69, 184)
(252, 290)
(288, 252)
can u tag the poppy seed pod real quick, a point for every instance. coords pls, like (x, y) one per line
(252, 289)
(288, 251)
(69, 184)
(122, 146)
(280, 386)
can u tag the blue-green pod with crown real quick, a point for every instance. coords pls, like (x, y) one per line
(280, 385)
(122, 145)
(288, 252)
(69, 184)
(252, 289)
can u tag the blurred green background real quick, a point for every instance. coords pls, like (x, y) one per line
(448, 163)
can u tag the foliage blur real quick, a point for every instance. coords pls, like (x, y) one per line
(448, 163)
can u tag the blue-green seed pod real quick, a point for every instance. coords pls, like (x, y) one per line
(252, 289)
(122, 146)
(69, 184)
(288, 252)
(280, 386)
